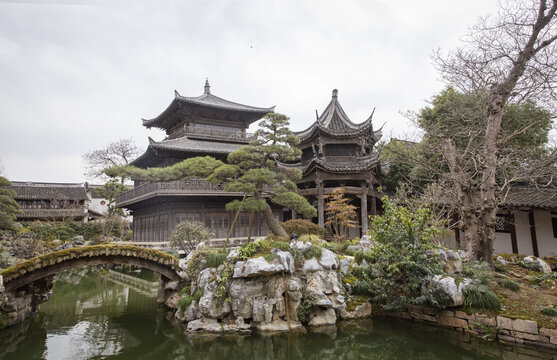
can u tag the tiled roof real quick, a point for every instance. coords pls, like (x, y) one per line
(180, 104)
(531, 197)
(335, 122)
(49, 191)
(51, 214)
(361, 164)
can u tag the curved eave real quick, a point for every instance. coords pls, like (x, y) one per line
(310, 133)
(364, 164)
(251, 112)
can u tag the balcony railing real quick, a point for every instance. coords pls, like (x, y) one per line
(195, 131)
(185, 187)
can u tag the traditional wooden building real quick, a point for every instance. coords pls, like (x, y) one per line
(52, 201)
(194, 126)
(339, 153)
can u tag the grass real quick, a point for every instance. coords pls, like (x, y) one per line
(185, 301)
(215, 258)
(314, 252)
(508, 284)
(480, 297)
(548, 311)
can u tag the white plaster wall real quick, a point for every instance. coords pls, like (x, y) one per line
(547, 244)
(523, 236)
(502, 243)
(96, 205)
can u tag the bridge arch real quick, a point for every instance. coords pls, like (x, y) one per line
(46, 265)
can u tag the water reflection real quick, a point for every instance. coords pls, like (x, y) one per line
(94, 315)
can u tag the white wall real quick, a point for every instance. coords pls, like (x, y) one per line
(502, 243)
(547, 244)
(523, 236)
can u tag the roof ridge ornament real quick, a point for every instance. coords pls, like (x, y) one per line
(335, 93)
(207, 86)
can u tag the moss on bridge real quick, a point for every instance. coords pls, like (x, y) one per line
(56, 257)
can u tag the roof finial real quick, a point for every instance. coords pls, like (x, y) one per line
(207, 86)
(335, 93)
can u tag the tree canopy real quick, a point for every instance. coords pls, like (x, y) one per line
(9, 208)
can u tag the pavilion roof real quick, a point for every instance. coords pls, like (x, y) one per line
(335, 122)
(49, 191)
(531, 197)
(182, 106)
(358, 165)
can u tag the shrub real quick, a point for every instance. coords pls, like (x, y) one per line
(187, 235)
(549, 311)
(314, 252)
(500, 268)
(248, 250)
(307, 304)
(303, 227)
(480, 297)
(314, 239)
(508, 284)
(359, 256)
(216, 258)
(544, 278)
(402, 241)
(479, 271)
(185, 301)
(282, 245)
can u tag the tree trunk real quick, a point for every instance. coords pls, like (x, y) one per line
(273, 224)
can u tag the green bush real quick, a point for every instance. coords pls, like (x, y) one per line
(188, 234)
(480, 271)
(302, 227)
(314, 239)
(304, 309)
(250, 249)
(480, 297)
(216, 258)
(314, 252)
(185, 301)
(282, 245)
(545, 311)
(508, 284)
(359, 256)
(402, 242)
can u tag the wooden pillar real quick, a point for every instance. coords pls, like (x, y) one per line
(363, 209)
(320, 203)
(514, 243)
(294, 215)
(533, 233)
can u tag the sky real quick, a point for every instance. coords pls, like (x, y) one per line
(76, 75)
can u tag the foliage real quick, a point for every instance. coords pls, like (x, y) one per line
(500, 268)
(436, 298)
(525, 265)
(508, 284)
(186, 300)
(314, 252)
(340, 214)
(361, 255)
(477, 296)
(248, 250)
(544, 278)
(193, 267)
(402, 241)
(9, 208)
(216, 257)
(545, 311)
(188, 234)
(304, 309)
(479, 271)
(110, 190)
(282, 245)
(302, 227)
(314, 239)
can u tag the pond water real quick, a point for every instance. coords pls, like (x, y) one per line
(98, 313)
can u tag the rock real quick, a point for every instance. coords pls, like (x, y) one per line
(312, 265)
(210, 306)
(285, 259)
(500, 260)
(239, 326)
(320, 317)
(279, 326)
(203, 324)
(183, 263)
(448, 285)
(345, 264)
(258, 297)
(463, 255)
(300, 246)
(538, 263)
(56, 242)
(234, 253)
(361, 311)
(366, 241)
(172, 301)
(64, 246)
(205, 276)
(172, 285)
(453, 263)
(257, 267)
(191, 313)
(325, 288)
(329, 260)
(202, 245)
(78, 240)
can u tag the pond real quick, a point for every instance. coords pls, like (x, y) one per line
(101, 313)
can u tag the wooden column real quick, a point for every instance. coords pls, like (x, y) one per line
(363, 209)
(533, 233)
(320, 203)
(294, 215)
(514, 242)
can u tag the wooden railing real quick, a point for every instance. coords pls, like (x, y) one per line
(194, 186)
(194, 131)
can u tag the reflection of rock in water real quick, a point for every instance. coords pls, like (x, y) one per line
(26, 340)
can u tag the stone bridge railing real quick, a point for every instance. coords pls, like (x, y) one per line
(29, 283)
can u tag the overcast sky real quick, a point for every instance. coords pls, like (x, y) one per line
(77, 75)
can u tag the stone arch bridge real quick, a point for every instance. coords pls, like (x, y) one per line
(23, 287)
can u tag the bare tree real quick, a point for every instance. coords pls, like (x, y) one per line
(511, 57)
(118, 153)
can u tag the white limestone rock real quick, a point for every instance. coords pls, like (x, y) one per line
(210, 306)
(453, 262)
(300, 246)
(500, 260)
(205, 276)
(234, 253)
(360, 312)
(449, 286)
(345, 264)
(285, 259)
(312, 265)
(206, 325)
(538, 263)
(257, 267)
(279, 326)
(329, 260)
(172, 285)
(320, 317)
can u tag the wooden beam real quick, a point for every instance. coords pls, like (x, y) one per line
(533, 235)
